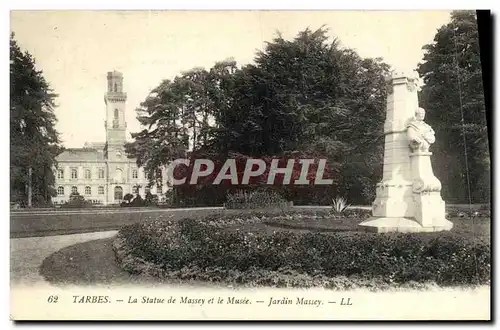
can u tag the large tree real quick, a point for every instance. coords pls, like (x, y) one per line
(454, 99)
(34, 141)
(306, 94)
(309, 94)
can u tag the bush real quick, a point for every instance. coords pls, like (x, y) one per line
(339, 205)
(255, 199)
(205, 250)
(76, 201)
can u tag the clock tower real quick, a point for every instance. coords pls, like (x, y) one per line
(115, 123)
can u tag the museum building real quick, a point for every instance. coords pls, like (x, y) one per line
(102, 172)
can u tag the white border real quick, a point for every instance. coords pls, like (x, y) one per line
(182, 5)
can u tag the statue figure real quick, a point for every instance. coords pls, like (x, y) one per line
(420, 134)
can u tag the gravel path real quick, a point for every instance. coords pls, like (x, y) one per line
(27, 254)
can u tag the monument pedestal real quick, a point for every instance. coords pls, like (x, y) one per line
(400, 225)
(409, 197)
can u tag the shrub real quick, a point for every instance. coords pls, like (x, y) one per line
(204, 249)
(76, 201)
(339, 205)
(138, 201)
(255, 199)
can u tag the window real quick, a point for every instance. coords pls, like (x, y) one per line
(101, 173)
(118, 155)
(100, 190)
(88, 174)
(136, 189)
(74, 190)
(147, 190)
(74, 173)
(88, 190)
(116, 87)
(159, 189)
(116, 113)
(60, 174)
(60, 190)
(145, 175)
(134, 174)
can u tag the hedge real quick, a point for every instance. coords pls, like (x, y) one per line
(203, 249)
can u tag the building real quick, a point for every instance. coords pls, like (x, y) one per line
(101, 172)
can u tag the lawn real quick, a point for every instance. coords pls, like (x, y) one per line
(27, 224)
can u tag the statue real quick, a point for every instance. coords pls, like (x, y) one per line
(420, 134)
(408, 199)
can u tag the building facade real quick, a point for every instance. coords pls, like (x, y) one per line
(101, 172)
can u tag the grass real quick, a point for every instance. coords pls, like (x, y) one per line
(32, 225)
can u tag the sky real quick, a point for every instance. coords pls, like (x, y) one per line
(76, 49)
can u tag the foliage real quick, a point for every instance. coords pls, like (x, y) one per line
(76, 201)
(128, 197)
(453, 88)
(206, 250)
(255, 199)
(34, 141)
(305, 95)
(339, 204)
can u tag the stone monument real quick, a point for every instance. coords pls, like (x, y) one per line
(408, 199)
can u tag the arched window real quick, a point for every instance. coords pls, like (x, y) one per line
(74, 190)
(88, 190)
(88, 174)
(100, 190)
(118, 193)
(60, 190)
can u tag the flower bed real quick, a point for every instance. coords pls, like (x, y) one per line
(203, 249)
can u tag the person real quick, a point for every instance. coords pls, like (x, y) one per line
(420, 134)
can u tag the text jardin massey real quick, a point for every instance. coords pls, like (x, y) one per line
(308, 171)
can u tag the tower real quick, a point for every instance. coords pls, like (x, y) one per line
(115, 123)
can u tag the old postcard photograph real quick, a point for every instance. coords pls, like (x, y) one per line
(249, 165)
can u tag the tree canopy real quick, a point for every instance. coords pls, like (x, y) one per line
(34, 141)
(307, 94)
(454, 98)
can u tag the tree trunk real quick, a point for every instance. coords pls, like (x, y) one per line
(29, 186)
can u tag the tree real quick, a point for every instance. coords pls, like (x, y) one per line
(34, 141)
(303, 95)
(164, 137)
(311, 95)
(454, 99)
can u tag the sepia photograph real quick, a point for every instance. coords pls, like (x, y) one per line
(249, 165)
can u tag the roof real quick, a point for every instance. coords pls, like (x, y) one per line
(94, 145)
(81, 154)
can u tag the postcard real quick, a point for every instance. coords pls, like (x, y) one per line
(249, 165)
